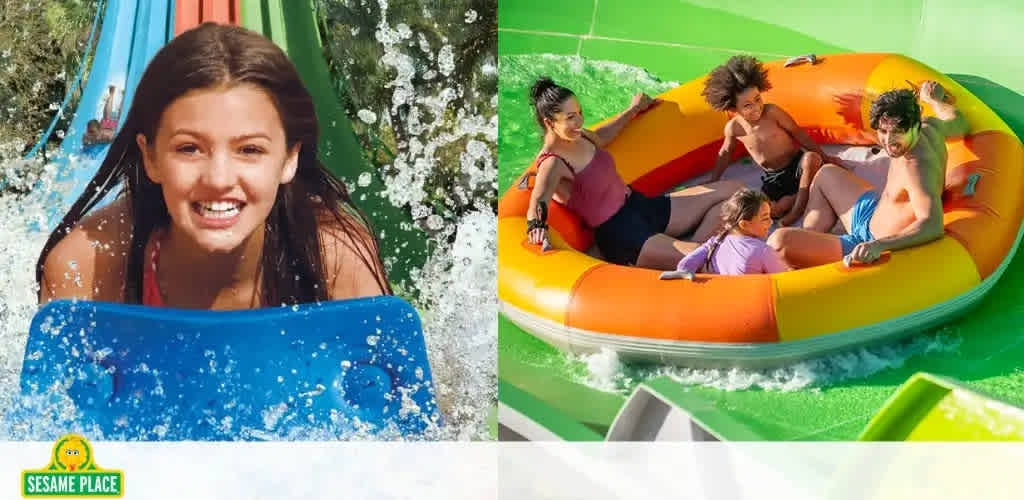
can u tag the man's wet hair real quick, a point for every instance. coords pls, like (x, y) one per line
(727, 81)
(898, 105)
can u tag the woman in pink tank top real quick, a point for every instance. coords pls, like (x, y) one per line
(575, 170)
(225, 205)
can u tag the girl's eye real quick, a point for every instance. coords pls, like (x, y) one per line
(252, 150)
(187, 149)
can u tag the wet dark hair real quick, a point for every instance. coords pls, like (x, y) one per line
(742, 205)
(898, 104)
(209, 56)
(92, 124)
(547, 98)
(727, 81)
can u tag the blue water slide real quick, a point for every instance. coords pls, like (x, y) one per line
(133, 31)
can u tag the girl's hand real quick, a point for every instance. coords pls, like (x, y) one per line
(537, 236)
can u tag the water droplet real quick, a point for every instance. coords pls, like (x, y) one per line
(368, 117)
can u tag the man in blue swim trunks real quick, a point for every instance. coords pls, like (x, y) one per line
(908, 210)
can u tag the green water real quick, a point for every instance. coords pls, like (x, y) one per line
(609, 87)
(824, 399)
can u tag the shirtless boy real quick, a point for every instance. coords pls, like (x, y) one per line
(768, 133)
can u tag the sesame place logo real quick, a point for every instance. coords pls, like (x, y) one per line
(72, 473)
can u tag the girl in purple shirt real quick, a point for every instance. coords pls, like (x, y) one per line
(739, 247)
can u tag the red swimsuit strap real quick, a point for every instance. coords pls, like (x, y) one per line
(151, 295)
(544, 156)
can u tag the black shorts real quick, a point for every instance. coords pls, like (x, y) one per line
(783, 182)
(621, 237)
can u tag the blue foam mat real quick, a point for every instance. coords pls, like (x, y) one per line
(167, 374)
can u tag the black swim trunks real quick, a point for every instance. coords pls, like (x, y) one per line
(621, 237)
(782, 182)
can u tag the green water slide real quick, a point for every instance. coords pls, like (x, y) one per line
(292, 24)
(931, 408)
(975, 43)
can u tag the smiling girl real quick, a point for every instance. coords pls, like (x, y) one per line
(225, 204)
(739, 246)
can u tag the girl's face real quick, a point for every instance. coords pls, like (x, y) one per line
(568, 123)
(759, 225)
(750, 105)
(219, 156)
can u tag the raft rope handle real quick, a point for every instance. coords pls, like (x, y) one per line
(808, 58)
(972, 181)
(524, 184)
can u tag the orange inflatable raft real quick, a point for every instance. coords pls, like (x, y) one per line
(582, 304)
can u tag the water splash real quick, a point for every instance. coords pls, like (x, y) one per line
(20, 244)
(441, 134)
(429, 127)
(460, 322)
(606, 373)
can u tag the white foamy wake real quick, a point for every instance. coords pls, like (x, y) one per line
(605, 372)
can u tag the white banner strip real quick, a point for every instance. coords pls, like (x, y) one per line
(279, 470)
(757, 471)
(552, 470)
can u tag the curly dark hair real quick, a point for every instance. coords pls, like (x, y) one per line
(727, 81)
(899, 105)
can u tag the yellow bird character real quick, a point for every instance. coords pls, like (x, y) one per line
(72, 453)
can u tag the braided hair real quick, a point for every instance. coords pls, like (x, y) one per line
(742, 205)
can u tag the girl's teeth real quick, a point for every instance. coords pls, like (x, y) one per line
(219, 209)
(220, 205)
(220, 214)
